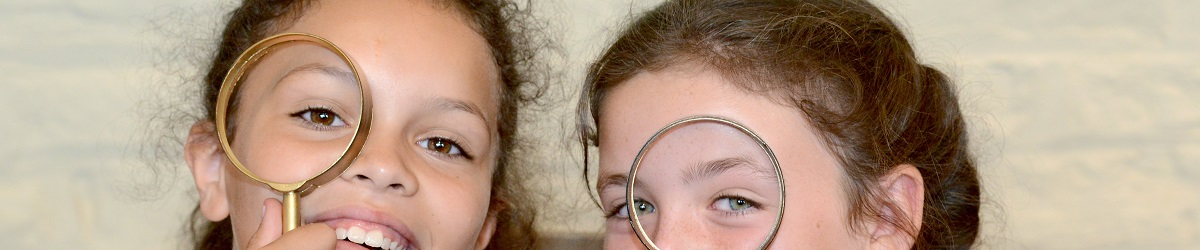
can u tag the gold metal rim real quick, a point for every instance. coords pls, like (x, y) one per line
(636, 223)
(251, 56)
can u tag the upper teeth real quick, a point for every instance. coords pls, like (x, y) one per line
(374, 238)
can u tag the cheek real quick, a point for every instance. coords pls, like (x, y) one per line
(245, 200)
(623, 240)
(619, 231)
(458, 205)
(817, 213)
(278, 157)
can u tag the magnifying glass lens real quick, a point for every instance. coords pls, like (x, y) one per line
(705, 183)
(294, 112)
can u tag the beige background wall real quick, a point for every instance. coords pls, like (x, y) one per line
(1084, 116)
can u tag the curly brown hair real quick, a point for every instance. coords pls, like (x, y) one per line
(848, 67)
(515, 41)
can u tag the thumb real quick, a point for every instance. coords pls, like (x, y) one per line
(270, 232)
(271, 226)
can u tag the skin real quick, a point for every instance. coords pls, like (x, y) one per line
(696, 213)
(432, 78)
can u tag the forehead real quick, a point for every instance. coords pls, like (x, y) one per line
(409, 46)
(637, 108)
(703, 149)
(633, 111)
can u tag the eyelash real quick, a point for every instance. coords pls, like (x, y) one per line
(751, 204)
(311, 110)
(621, 207)
(612, 212)
(451, 143)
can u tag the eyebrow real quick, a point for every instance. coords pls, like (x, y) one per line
(618, 180)
(704, 170)
(710, 169)
(444, 104)
(337, 73)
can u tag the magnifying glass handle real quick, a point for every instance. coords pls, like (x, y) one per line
(291, 211)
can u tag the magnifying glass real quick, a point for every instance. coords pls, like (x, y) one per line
(721, 163)
(292, 113)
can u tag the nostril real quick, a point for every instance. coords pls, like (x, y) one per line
(362, 177)
(395, 186)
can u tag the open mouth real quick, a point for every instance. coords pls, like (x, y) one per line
(373, 239)
(362, 227)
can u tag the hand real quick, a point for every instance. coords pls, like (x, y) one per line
(270, 234)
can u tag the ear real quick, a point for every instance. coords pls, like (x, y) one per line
(489, 229)
(905, 198)
(206, 161)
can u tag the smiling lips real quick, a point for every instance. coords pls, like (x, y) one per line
(374, 238)
(367, 227)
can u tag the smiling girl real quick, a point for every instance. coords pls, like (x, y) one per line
(871, 141)
(439, 169)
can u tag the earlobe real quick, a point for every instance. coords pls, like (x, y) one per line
(489, 229)
(203, 154)
(904, 191)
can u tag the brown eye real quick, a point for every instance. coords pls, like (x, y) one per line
(320, 117)
(439, 145)
(444, 146)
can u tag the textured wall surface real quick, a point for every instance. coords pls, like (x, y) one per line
(1087, 115)
(1084, 116)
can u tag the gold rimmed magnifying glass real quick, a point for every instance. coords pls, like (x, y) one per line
(711, 154)
(293, 113)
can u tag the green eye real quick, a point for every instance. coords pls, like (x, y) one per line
(738, 204)
(640, 206)
(643, 207)
(734, 204)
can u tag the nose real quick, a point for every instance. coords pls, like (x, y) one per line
(681, 230)
(383, 167)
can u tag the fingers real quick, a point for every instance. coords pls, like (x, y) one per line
(271, 227)
(311, 236)
(270, 232)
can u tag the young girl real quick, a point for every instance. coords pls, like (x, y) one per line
(871, 142)
(448, 80)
